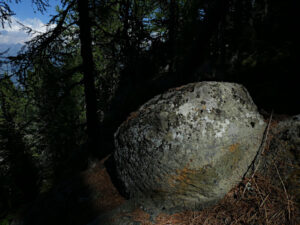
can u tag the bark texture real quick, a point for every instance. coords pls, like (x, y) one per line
(88, 74)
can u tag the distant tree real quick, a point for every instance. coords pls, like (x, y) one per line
(56, 123)
(18, 175)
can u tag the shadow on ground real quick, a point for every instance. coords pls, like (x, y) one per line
(77, 200)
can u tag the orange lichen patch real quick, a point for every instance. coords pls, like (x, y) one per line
(262, 204)
(182, 178)
(105, 195)
(254, 201)
(234, 147)
(204, 107)
(179, 88)
(131, 116)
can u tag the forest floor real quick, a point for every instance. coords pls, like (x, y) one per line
(257, 199)
(92, 197)
(254, 201)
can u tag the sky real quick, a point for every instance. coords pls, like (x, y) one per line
(27, 14)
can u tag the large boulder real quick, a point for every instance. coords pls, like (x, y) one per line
(188, 147)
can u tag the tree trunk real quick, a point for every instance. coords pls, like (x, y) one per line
(88, 75)
(216, 12)
(173, 23)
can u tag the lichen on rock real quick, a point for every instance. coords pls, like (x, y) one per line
(188, 147)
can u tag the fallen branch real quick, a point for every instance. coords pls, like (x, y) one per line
(260, 149)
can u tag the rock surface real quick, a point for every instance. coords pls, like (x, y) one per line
(189, 146)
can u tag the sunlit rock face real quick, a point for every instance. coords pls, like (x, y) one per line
(188, 147)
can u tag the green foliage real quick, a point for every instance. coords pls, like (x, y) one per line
(15, 159)
(58, 99)
(5, 221)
